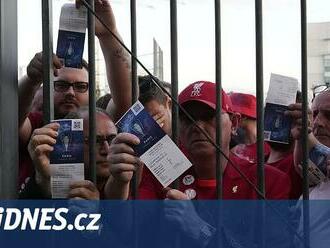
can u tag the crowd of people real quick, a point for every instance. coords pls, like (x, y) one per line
(115, 157)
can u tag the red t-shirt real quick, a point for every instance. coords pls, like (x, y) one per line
(287, 166)
(26, 168)
(234, 187)
(249, 152)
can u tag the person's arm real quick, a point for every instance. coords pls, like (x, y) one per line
(117, 60)
(27, 87)
(295, 112)
(180, 211)
(123, 163)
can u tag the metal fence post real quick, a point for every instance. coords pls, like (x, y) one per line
(8, 100)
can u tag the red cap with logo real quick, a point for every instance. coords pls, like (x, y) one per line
(205, 92)
(244, 104)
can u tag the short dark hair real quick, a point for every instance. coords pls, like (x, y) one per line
(103, 101)
(150, 91)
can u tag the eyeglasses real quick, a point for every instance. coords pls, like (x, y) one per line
(62, 86)
(100, 139)
(319, 89)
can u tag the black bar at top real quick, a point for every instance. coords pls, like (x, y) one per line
(304, 91)
(260, 96)
(174, 72)
(47, 60)
(92, 105)
(134, 78)
(218, 167)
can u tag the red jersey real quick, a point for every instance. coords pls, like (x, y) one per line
(26, 168)
(249, 152)
(286, 165)
(234, 186)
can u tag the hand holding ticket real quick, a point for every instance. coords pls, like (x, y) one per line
(281, 93)
(155, 149)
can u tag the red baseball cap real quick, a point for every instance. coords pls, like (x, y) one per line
(205, 92)
(245, 104)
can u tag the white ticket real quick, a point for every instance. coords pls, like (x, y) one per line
(282, 90)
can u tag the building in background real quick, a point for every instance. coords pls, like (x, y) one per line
(318, 54)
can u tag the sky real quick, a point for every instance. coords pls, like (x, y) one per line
(281, 20)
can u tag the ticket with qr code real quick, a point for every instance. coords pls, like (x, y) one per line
(71, 35)
(67, 158)
(156, 149)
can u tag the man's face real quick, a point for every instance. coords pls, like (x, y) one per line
(321, 117)
(105, 132)
(193, 140)
(66, 99)
(161, 113)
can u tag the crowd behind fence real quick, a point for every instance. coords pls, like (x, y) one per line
(9, 164)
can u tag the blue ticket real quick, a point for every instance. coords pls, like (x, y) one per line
(156, 149)
(71, 35)
(277, 125)
(69, 147)
(67, 158)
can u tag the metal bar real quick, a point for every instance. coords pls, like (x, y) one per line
(134, 79)
(8, 100)
(174, 72)
(260, 118)
(218, 166)
(218, 81)
(92, 105)
(304, 91)
(47, 59)
(260, 96)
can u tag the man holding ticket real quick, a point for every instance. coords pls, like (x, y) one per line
(318, 137)
(198, 182)
(71, 84)
(43, 143)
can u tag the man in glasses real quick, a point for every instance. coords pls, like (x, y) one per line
(71, 84)
(41, 144)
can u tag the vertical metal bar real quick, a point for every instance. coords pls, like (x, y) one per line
(260, 95)
(218, 81)
(8, 100)
(218, 167)
(174, 71)
(304, 90)
(92, 105)
(133, 185)
(47, 58)
(134, 79)
(260, 119)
